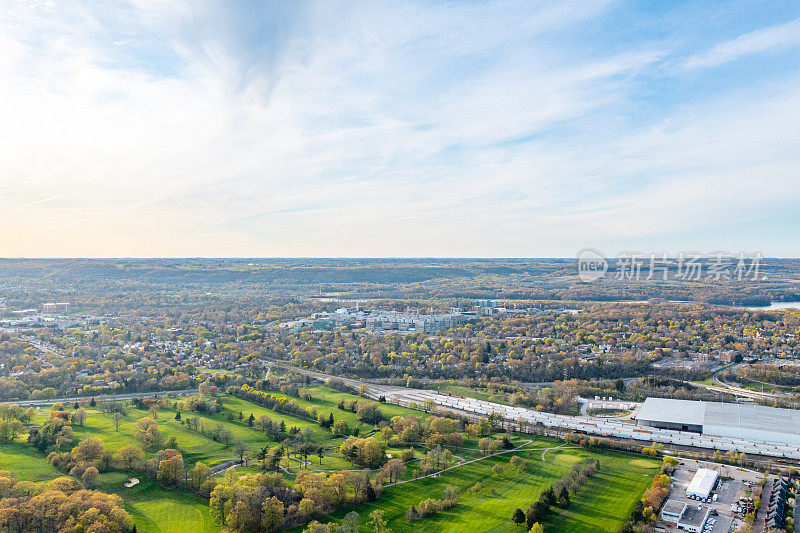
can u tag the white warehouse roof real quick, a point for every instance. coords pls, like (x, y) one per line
(753, 422)
(702, 483)
(672, 411)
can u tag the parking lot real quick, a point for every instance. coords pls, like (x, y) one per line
(728, 491)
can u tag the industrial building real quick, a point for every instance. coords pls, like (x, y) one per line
(702, 484)
(414, 321)
(694, 518)
(738, 421)
(527, 419)
(673, 511)
(684, 516)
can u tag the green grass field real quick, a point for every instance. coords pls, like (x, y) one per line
(156, 510)
(602, 505)
(26, 462)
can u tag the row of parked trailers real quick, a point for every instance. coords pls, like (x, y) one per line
(604, 428)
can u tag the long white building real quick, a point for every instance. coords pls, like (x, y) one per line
(743, 421)
(752, 442)
(702, 483)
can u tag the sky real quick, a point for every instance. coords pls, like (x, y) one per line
(152, 128)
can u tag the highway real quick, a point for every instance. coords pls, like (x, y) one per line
(105, 397)
(727, 388)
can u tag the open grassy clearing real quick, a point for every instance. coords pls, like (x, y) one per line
(157, 510)
(195, 447)
(153, 509)
(759, 386)
(330, 398)
(607, 498)
(28, 463)
(602, 505)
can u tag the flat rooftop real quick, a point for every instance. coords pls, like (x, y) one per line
(673, 507)
(722, 416)
(757, 417)
(672, 411)
(693, 516)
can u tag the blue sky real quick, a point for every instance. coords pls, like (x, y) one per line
(150, 128)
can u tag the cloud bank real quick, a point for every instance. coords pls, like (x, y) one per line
(149, 128)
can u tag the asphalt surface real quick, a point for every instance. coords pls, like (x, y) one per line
(104, 397)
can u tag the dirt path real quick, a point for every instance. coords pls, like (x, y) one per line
(562, 446)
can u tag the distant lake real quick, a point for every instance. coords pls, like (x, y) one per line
(340, 300)
(774, 306)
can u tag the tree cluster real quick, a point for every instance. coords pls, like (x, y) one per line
(59, 505)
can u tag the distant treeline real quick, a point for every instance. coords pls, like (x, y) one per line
(508, 279)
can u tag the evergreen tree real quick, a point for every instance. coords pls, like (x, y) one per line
(563, 497)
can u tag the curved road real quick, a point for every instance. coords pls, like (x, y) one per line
(725, 387)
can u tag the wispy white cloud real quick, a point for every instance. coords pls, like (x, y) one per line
(779, 35)
(190, 128)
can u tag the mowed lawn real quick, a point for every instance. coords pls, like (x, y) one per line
(607, 499)
(28, 463)
(154, 510)
(328, 400)
(194, 445)
(602, 505)
(158, 510)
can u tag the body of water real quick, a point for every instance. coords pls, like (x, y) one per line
(774, 306)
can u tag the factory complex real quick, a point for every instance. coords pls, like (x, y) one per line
(738, 421)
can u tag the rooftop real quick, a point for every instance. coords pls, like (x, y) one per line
(693, 516)
(721, 415)
(674, 507)
(673, 411)
(702, 482)
(755, 417)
